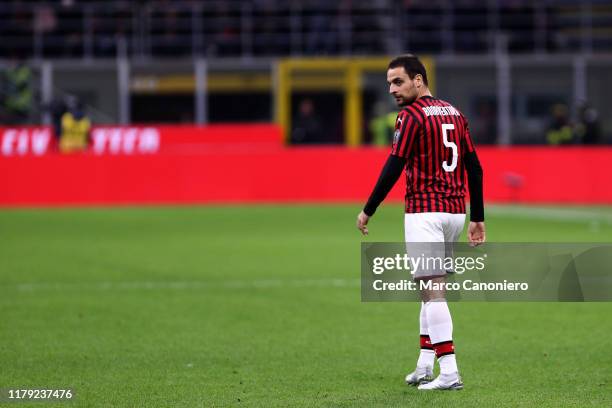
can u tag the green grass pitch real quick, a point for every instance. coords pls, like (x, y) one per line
(260, 306)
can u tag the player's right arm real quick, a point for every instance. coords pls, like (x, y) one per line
(406, 128)
(476, 228)
(388, 177)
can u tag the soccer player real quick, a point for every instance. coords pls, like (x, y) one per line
(432, 143)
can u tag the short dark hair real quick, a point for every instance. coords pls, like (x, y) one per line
(411, 64)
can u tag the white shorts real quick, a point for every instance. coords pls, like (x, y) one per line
(433, 227)
(422, 229)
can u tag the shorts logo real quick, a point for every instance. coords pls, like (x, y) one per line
(396, 136)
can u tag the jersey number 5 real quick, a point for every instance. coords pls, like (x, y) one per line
(445, 128)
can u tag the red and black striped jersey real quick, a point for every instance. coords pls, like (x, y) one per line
(433, 136)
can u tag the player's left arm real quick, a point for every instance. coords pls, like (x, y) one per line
(476, 228)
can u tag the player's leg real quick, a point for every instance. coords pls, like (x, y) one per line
(422, 228)
(425, 363)
(440, 323)
(440, 327)
(452, 227)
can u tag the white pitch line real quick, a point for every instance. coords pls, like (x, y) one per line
(544, 213)
(183, 285)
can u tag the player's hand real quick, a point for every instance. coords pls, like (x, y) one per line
(362, 221)
(476, 233)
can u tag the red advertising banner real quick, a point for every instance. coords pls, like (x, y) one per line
(129, 140)
(255, 168)
(25, 141)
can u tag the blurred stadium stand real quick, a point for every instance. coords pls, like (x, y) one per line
(263, 28)
(505, 63)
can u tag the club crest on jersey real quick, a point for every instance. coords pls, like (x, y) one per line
(396, 136)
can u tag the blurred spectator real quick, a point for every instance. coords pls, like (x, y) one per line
(16, 93)
(45, 20)
(268, 29)
(226, 33)
(484, 129)
(56, 108)
(307, 125)
(322, 33)
(75, 127)
(587, 129)
(170, 41)
(382, 125)
(560, 128)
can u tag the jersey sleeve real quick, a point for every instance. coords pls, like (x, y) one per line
(406, 131)
(468, 144)
(475, 177)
